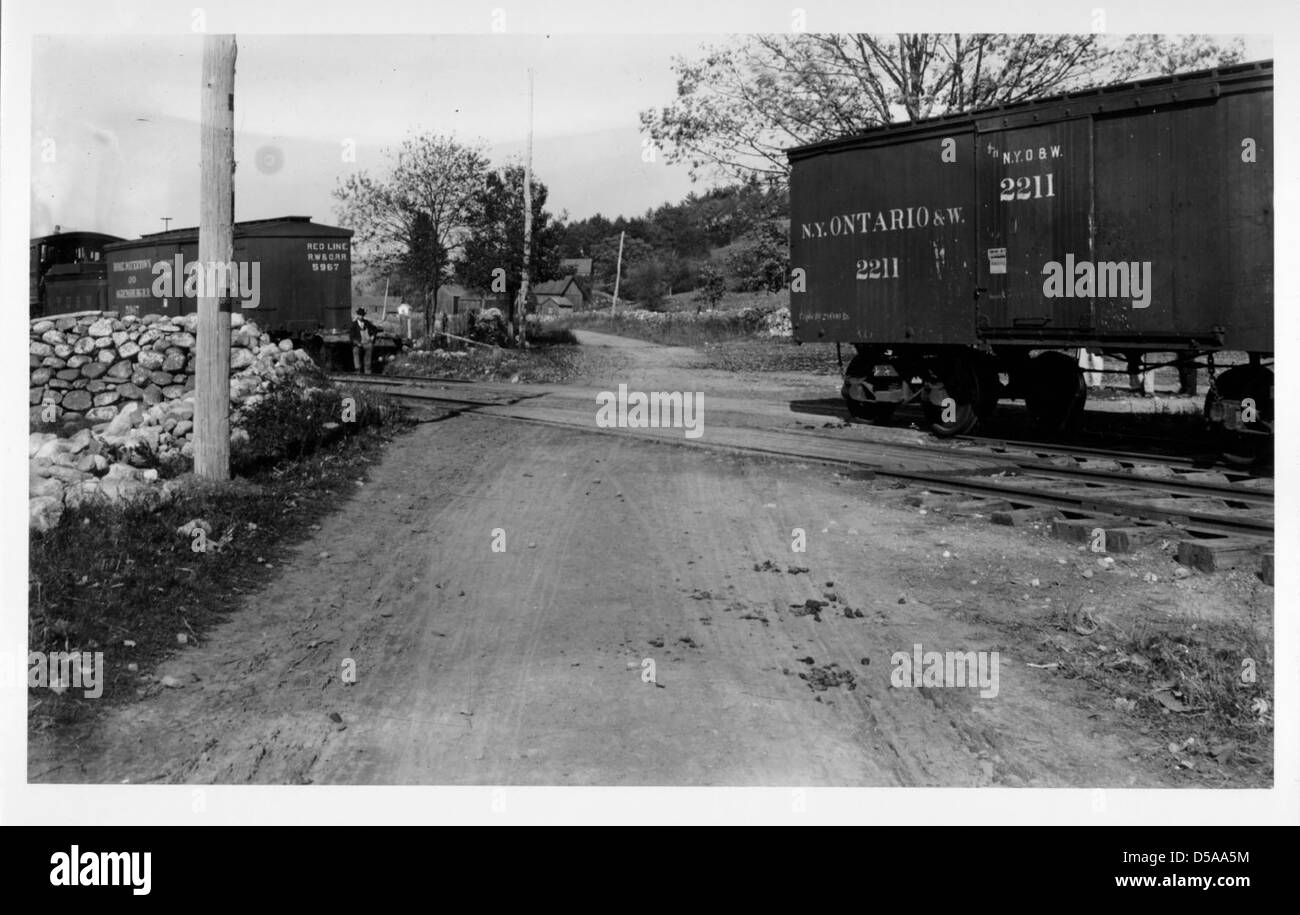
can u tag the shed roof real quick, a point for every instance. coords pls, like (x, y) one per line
(554, 287)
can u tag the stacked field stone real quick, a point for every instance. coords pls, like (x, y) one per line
(85, 364)
(132, 379)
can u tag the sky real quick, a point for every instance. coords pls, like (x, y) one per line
(125, 149)
(115, 138)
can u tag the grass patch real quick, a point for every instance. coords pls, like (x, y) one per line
(1186, 683)
(774, 354)
(297, 416)
(540, 364)
(112, 573)
(673, 328)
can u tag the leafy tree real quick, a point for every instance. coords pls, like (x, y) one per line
(413, 218)
(762, 259)
(605, 260)
(648, 282)
(496, 237)
(712, 285)
(578, 238)
(740, 106)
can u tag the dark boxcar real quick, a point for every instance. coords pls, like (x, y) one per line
(66, 272)
(1128, 220)
(295, 276)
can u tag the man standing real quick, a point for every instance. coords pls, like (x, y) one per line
(362, 332)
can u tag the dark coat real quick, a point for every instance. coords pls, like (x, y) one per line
(354, 329)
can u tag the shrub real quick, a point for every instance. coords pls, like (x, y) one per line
(713, 284)
(488, 327)
(291, 421)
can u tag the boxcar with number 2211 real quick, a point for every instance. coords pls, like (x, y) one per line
(958, 251)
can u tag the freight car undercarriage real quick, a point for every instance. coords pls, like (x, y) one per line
(957, 386)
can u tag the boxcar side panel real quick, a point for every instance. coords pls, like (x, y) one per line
(131, 278)
(885, 237)
(1174, 192)
(1247, 192)
(1035, 208)
(313, 285)
(304, 282)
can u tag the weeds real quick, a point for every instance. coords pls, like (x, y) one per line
(1207, 688)
(119, 577)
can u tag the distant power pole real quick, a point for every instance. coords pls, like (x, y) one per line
(216, 245)
(166, 221)
(618, 272)
(522, 311)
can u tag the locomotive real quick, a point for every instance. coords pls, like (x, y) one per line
(958, 251)
(67, 272)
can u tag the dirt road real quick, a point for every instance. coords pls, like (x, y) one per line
(619, 558)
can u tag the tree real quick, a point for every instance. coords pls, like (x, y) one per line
(604, 258)
(648, 281)
(495, 241)
(713, 284)
(577, 238)
(762, 258)
(739, 107)
(415, 217)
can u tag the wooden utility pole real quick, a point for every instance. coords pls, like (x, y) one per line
(216, 245)
(618, 272)
(521, 313)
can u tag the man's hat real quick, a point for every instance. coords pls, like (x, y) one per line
(361, 311)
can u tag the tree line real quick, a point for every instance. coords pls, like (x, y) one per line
(442, 213)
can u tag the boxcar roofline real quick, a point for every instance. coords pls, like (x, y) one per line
(283, 227)
(1150, 92)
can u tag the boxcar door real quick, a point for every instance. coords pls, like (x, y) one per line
(1034, 193)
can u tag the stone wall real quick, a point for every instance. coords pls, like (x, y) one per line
(84, 365)
(122, 389)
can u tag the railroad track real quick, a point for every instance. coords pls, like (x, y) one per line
(1131, 497)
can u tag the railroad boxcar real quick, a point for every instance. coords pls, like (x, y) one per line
(66, 272)
(302, 272)
(958, 251)
(303, 269)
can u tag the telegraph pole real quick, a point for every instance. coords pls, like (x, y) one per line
(522, 311)
(618, 273)
(216, 245)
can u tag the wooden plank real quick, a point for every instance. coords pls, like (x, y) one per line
(1017, 517)
(1118, 537)
(979, 506)
(1214, 555)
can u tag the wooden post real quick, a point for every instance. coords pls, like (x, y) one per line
(216, 244)
(618, 273)
(522, 311)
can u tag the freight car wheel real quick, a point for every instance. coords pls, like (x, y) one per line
(1241, 387)
(951, 402)
(858, 391)
(1056, 392)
